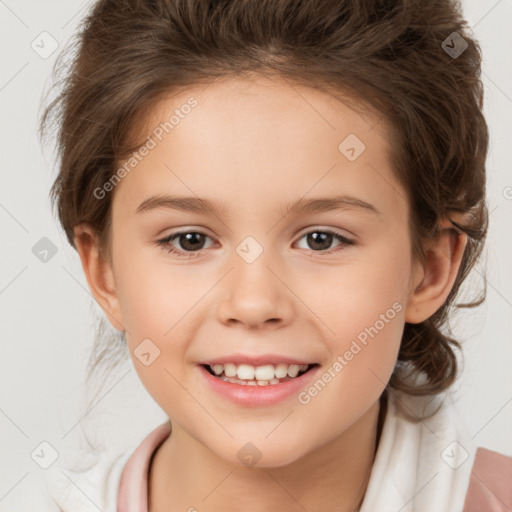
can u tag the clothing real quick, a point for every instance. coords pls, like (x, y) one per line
(490, 488)
(133, 487)
(421, 465)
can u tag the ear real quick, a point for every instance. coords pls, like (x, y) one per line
(433, 281)
(99, 273)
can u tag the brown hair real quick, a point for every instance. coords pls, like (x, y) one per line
(388, 55)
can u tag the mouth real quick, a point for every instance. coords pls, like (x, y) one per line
(264, 375)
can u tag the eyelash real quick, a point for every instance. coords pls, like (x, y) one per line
(164, 242)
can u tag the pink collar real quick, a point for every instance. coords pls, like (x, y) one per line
(133, 487)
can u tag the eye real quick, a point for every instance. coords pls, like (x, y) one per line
(320, 240)
(190, 241)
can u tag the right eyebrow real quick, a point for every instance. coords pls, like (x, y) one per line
(191, 204)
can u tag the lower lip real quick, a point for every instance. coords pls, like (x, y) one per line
(258, 396)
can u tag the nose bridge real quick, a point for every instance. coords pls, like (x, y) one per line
(254, 293)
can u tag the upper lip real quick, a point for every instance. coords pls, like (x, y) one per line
(255, 360)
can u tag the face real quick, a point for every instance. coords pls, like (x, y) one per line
(257, 277)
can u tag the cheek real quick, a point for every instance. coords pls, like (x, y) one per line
(363, 308)
(357, 292)
(154, 295)
(157, 307)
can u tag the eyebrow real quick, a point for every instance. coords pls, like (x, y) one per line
(205, 206)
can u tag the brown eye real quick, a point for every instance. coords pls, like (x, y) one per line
(190, 242)
(321, 240)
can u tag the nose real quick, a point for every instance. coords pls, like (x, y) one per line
(255, 295)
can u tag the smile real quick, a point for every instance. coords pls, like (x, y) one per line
(249, 375)
(261, 385)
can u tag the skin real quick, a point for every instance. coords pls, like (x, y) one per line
(257, 145)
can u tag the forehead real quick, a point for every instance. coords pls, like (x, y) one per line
(264, 136)
(263, 102)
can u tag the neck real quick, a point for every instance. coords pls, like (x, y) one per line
(184, 474)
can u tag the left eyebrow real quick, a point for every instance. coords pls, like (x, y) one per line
(205, 206)
(325, 204)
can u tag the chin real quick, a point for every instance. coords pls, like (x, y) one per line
(262, 455)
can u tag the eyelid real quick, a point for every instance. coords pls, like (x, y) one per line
(176, 234)
(335, 231)
(303, 232)
(344, 240)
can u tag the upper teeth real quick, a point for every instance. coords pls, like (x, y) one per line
(265, 372)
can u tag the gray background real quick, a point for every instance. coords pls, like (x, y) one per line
(48, 315)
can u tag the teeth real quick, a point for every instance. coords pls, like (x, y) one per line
(229, 370)
(281, 371)
(257, 375)
(264, 372)
(217, 369)
(245, 372)
(293, 370)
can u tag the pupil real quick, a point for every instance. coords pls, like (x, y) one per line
(187, 237)
(313, 238)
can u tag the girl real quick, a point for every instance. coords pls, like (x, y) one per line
(276, 202)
